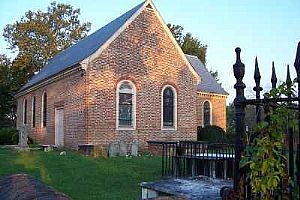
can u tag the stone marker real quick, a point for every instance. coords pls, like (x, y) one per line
(23, 138)
(123, 149)
(113, 149)
(134, 148)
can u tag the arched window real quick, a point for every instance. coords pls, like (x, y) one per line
(169, 104)
(44, 109)
(25, 111)
(126, 105)
(33, 110)
(206, 114)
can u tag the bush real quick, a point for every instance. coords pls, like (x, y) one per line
(212, 134)
(8, 136)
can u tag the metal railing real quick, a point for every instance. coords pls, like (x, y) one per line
(193, 158)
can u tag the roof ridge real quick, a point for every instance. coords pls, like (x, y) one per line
(91, 43)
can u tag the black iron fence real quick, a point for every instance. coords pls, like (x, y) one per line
(193, 158)
(288, 188)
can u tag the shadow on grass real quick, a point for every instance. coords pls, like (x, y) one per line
(32, 161)
(82, 177)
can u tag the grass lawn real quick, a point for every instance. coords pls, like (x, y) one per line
(83, 177)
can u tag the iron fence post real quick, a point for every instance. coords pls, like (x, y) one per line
(297, 66)
(290, 135)
(239, 107)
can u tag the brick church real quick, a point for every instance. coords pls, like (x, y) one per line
(128, 81)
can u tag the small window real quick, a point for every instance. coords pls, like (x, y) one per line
(44, 109)
(25, 111)
(33, 110)
(126, 105)
(169, 111)
(206, 114)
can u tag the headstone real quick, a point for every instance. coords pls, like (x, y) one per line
(22, 138)
(48, 148)
(134, 148)
(123, 149)
(113, 149)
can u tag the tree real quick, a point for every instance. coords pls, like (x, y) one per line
(38, 36)
(7, 86)
(188, 43)
(215, 74)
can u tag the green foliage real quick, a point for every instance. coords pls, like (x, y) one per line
(212, 134)
(188, 43)
(264, 156)
(8, 136)
(38, 36)
(230, 119)
(215, 74)
(82, 177)
(7, 87)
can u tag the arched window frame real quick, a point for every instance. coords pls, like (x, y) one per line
(133, 124)
(210, 112)
(44, 110)
(174, 127)
(33, 111)
(25, 111)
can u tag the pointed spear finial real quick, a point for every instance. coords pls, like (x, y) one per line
(297, 61)
(288, 77)
(273, 77)
(257, 78)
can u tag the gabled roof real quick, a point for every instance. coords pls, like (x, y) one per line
(208, 82)
(81, 50)
(88, 48)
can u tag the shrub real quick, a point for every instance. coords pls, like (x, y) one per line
(8, 136)
(212, 134)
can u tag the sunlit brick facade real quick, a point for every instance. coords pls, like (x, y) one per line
(144, 54)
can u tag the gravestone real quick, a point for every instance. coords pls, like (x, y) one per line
(113, 149)
(22, 137)
(123, 149)
(134, 148)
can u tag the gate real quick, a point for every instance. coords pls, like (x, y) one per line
(241, 184)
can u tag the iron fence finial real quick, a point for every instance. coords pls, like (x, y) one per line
(273, 77)
(256, 71)
(257, 78)
(297, 61)
(288, 77)
(238, 68)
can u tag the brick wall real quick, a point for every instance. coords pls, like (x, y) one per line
(144, 54)
(218, 103)
(67, 93)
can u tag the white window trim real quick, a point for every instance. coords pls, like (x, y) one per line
(133, 127)
(42, 113)
(24, 112)
(32, 101)
(210, 114)
(162, 109)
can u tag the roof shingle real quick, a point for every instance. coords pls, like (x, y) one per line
(208, 82)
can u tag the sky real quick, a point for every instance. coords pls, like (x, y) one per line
(268, 29)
